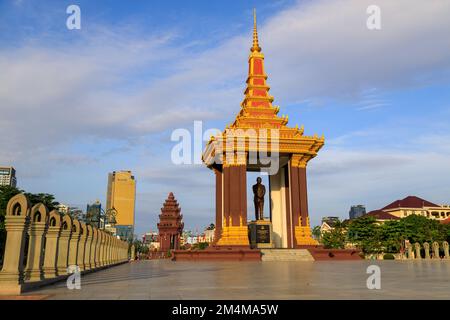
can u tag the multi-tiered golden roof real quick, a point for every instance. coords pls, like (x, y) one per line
(257, 112)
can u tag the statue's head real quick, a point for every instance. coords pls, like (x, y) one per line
(258, 180)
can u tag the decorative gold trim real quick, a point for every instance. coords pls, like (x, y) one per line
(303, 234)
(234, 235)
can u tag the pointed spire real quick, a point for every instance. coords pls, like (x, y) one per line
(256, 46)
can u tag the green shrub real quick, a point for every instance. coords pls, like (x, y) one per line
(388, 256)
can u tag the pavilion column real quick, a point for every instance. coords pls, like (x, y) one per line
(51, 245)
(304, 214)
(73, 244)
(234, 195)
(84, 234)
(88, 250)
(16, 223)
(299, 202)
(93, 252)
(64, 245)
(38, 229)
(219, 206)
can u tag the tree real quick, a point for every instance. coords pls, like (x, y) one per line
(393, 235)
(335, 238)
(76, 213)
(45, 198)
(421, 229)
(139, 247)
(366, 234)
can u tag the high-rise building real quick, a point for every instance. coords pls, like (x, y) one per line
(93, 214)
(357, 211)
(8, 176)
(121, 196)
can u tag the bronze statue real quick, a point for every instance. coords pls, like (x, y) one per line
(259, 190)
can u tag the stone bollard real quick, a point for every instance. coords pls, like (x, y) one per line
(94, 247)
(16, 224)
(113, 250)
(109, 250)
(97, 248)
(417, 247)
(410, 251)
(37, 232)
(84, 234)
(64, 245)
(106, 253)
(132, 253)
(436, 250)
(446, 250)
(426, 247)
(51, 245)
(73, 245)
(102, 247)
(88, 264)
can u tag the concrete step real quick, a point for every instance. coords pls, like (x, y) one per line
(286, 255)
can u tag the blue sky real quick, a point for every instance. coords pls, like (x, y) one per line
(77, 104)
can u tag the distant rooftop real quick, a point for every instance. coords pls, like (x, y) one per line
(381, 215)
(410, 202)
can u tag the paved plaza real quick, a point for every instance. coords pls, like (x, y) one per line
(164, 279)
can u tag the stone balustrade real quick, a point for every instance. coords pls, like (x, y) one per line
(41, 246)
(428, 254)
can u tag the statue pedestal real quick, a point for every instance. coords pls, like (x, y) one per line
(260, 234)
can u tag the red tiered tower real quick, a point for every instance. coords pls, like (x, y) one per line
(170, 225)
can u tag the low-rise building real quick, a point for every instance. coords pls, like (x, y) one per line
(415, 205)
(328, 224)
(411, 205)
(150, 240)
